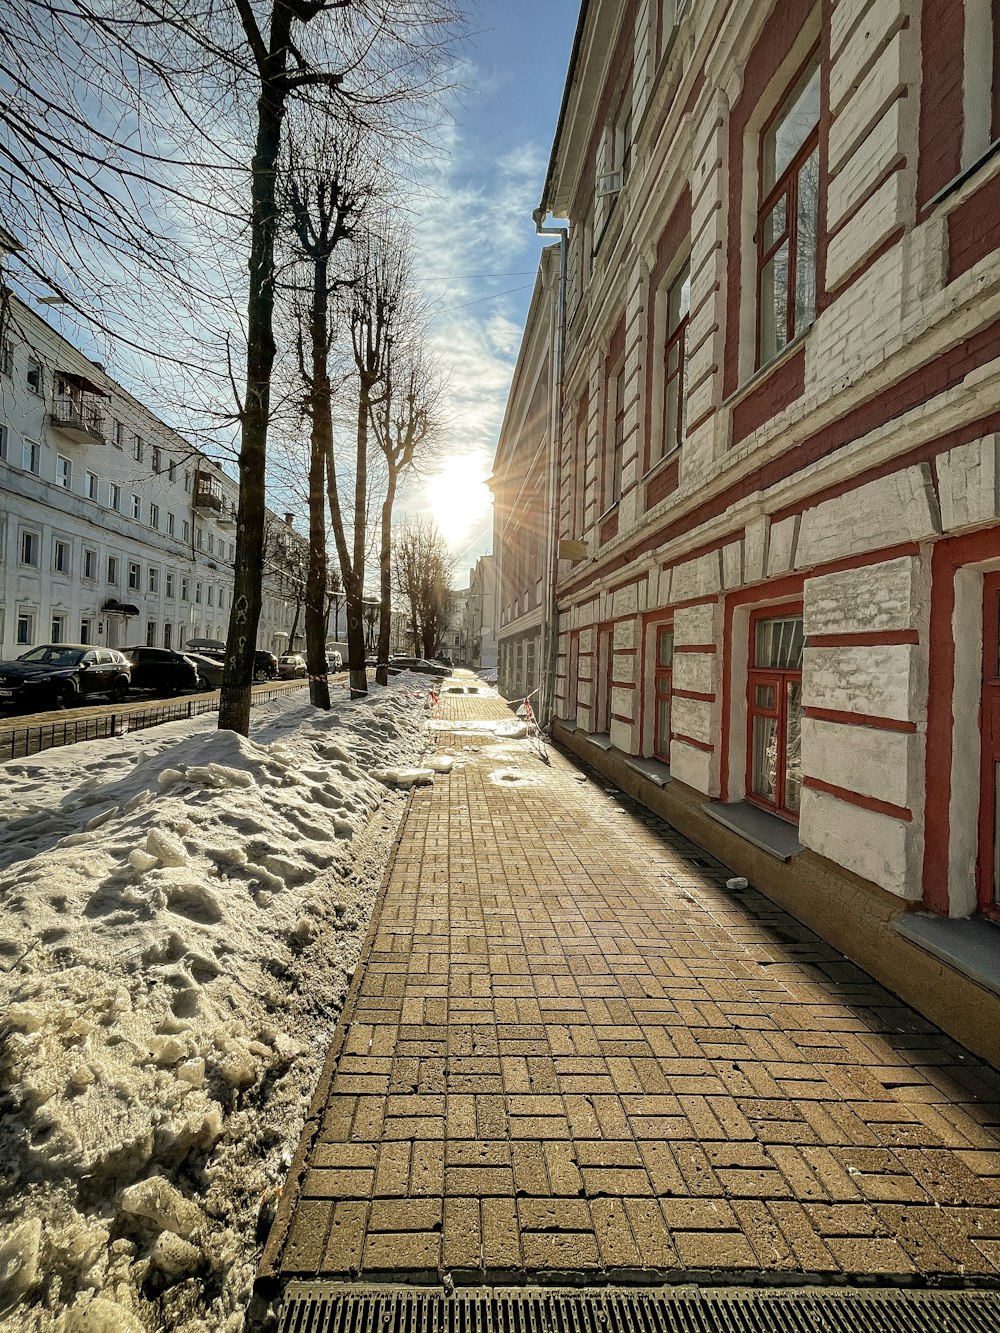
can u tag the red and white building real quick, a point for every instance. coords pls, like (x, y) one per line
(772, 432)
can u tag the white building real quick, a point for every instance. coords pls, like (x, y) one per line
(113, 528)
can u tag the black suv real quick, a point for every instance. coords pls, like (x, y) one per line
(55, 675)
(162, 670)
(265, 664)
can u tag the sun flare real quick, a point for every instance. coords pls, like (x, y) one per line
(458, 497)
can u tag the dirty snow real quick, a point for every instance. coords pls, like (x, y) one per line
(182, 911)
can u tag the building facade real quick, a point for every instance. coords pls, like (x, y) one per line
(777, 437)
(480, 615)
(113, 528)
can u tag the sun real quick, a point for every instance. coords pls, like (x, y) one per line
(458, 496)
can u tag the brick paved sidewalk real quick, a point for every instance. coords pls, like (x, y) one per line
(571, 1050)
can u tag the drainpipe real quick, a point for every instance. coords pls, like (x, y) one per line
(550, 617)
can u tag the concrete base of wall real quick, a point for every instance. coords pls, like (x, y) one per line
(850, 913)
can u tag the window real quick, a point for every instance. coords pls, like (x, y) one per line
(169, 584)
(154, 516)
(134, 575)
(112, 569)
(89, 563)
(60, 557)
(197, 592)
(171, 469)
(151, 634)
(118, 434)
(788, 218)
(25, 628)
(615, 425)
(31, 457)
(154, 579)
(91, 485)
(64, 473)
(115, 497)
(168, 630)
(774, 699)
(58, 630)
(33, 377)
(211, 595)
(29, 548)
(6, 360)
(136, 507)
(199, 538)
(663, 678)
(3, 443)
(676, 315)
(185, 589)
(156, 459)
(185, 530)
(170, 525)
(86, 631)
(232, 552)
(138, 448)
(211, 543)
(187, 481)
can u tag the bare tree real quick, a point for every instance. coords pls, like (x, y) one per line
(423, 568)
(405, 423)
(328, 187)
(176, 83)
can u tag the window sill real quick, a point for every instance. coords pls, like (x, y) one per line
(772, 835)
(969, 945)
(602, 739)
(660, 464)
(652, 769)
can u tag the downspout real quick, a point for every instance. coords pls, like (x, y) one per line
(550, 617)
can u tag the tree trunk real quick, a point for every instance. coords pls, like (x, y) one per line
(385, 583)
(237, 675)
(316, 615)
(355, 590)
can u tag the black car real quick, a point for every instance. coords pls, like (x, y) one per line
(162, 670)
(55, 675)
(209, 670)
(265, 664)
(420, 664)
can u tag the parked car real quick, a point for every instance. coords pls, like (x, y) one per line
(334, 660)
(163, 670)
(292, 666)
(55, 675)
(419, 664)
(209, 670)
(265, 665)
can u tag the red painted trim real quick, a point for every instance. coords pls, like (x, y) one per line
(948, 557)
(860, 719)
(698, 695)
(862, 638)
(939, 138)
(696, 648)
(974, 226)
(770, 395)
(690, 740)
(901, 812)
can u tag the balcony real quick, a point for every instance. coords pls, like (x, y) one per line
(227, 518)
(78, 418)
(208, 497)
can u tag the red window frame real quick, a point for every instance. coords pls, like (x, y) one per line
(675, 341)
(988, 861)
(787, 185)
(663, 689)
(617, 385)
(778, 680)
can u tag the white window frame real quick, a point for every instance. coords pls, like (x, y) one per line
(134, 576)
(93, 482)
(137, 507)
(60, 543)
(64, 472)
(27, 618)
(31, 457)
(34, 537)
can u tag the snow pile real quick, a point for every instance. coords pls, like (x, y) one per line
(182, 911)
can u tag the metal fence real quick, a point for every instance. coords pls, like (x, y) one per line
(20, 742)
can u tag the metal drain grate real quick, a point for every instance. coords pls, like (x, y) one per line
(316, 1308)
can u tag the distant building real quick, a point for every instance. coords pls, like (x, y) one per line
(452, 642)
(769, 605)
(113, 528)
(480, 615)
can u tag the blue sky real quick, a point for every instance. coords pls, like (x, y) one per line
(477, 251)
